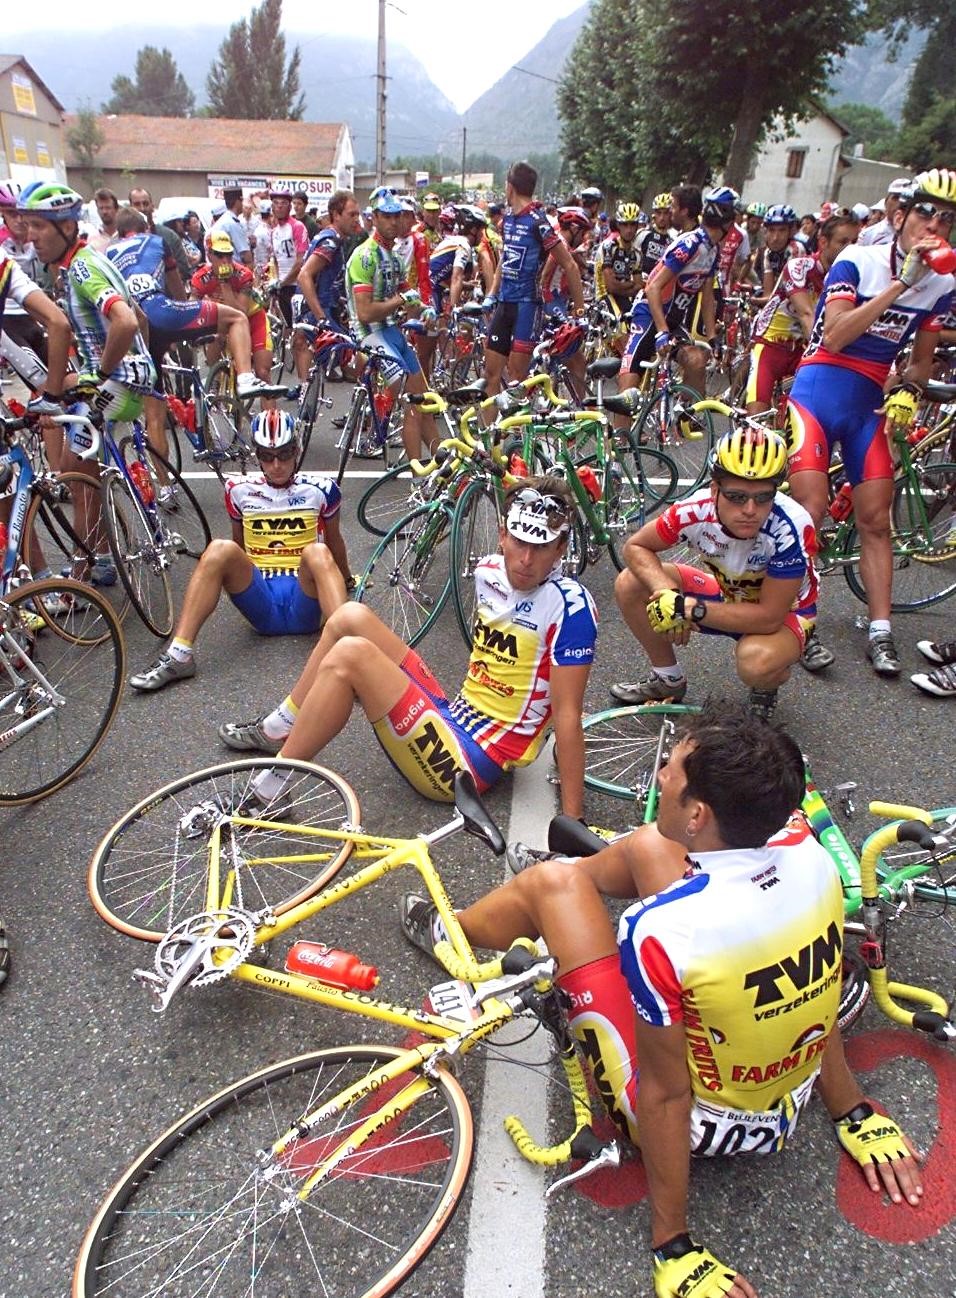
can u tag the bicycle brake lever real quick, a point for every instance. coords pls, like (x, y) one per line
(609, 1156)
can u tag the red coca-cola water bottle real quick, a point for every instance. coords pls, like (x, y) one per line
(942, 258)
(842, 503)
(589, 482)
(517, 466)
(4, 538)
(328, 965)
(144, 485)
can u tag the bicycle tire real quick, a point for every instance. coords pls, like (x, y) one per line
(939, 884)
(474, 534)
(146, 876)
(141, 568)
(387, 500)
(193, 526)
(621, 744)
(51, 520)
(81, 654)
(354, 421)
(854, 989)
(198, 1200)
(228, 416)
(175, 456)
(924, 566)
(308, 410)
(408, 578)
(628, 499)
(654, 428)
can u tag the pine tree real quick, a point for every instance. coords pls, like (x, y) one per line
(159, 90)
(250, 79)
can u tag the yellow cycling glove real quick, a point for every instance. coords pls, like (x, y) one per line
(900, 405)
(683, 1267)
(870, 1137)
(665, 611)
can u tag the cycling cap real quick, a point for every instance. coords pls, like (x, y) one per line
(757, 209)
(939, 183)
(535, 518)
(51, 200)
(860, 211)
(431, 203)
(573, 218)
(591, 195)
(219, 241)
(447, 217)
(383, 200)
(495, 209)
(273, 429)
(780, 214)
(627, 212)
(9, 193)
(902, 185)
(407, 205)
(280, 193)
(719, 203)
(662, 201)
(750, 453)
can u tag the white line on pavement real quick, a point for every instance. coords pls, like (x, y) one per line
(506, 1189)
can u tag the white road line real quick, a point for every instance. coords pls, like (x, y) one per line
(506, 1189)
(350, 473)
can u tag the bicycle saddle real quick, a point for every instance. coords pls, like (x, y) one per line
(475, 814)
(605, 368)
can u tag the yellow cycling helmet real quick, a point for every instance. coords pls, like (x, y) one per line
(662, 200)
(627, 212)
(939, 183)
(749, 453)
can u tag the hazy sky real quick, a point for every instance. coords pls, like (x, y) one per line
(465, 48)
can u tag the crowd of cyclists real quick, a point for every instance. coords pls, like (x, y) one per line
(851, 305)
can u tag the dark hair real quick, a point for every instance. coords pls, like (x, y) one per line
(689, 198)
(231, 196)
(843, 217)
(300, 193)
(523, 177)
(338, 200)
(749, 773)
(103, 192)
(548, 485)
(131, 221)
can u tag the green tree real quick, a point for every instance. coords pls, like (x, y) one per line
(159, 89)
(871, 128)
(250, 78)
(86, 139)
(655, 92)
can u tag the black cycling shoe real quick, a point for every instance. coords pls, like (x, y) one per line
(763, 703)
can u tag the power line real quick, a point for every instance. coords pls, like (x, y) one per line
(529, 73)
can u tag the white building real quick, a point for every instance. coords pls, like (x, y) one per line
(802, 168)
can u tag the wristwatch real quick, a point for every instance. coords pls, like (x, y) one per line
(699, 611)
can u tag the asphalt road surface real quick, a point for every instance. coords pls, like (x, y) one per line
(88, 1075)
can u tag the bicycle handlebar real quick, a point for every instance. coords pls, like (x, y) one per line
(23, 422)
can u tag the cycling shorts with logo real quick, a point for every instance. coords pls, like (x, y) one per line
(515, 327)
(425, 744)
(392, 343)
(770, 364)
(171, 321)
(830, 404)
(278, 606)
(703, 585)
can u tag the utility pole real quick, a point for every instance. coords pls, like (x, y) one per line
(380, 114)
(464, 141)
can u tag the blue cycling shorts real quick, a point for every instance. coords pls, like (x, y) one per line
(514, 327)
(391, 342)
(278, 606)
(830, 404)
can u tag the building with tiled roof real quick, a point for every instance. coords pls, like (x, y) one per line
(31, 130)
(175, 156)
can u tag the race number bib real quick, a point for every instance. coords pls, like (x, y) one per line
(716, 1130)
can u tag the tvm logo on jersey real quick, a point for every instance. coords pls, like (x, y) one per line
(502, 643)
(798, 978)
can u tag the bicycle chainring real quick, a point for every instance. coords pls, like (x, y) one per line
(228, 930)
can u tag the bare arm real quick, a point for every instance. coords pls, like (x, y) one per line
(336, 542)
(803, 310)
(312, 266)
(562, 255)
(567, 702)
(748, 617)
(59, 336)
(663, 1117)
(654, 292)
(122, 329)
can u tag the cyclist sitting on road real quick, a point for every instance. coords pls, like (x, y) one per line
(532, 649)
(286, 567)
(228, 284)
(875, 300)
(379, 296)
(735, 1025)
(761, 586)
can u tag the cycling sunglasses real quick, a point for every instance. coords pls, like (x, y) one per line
(929, 211)
(553, 510)
(745, 497)
(285, 453)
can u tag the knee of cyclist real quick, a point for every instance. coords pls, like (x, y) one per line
(350, 619)
(628, 591)
(317, 557)
(873, 524)
(758, 662)
(220, 552)
(555, 877)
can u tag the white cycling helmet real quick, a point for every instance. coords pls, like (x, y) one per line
(272, 430)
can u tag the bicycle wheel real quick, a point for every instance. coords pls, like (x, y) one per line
(182, 516)
(313, 395)
(149, 871)
(387, 500)
(629, 498)
(202, 1211)
(141, 558)
(854, 990)
(657, 427)
(474, 534)
(65, 531)
(355, 422)
(937, 881)
(924, 540)
(408, 578)
(62, 660)
(621, 746)
(226, 433)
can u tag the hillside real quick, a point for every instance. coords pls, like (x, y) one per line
(79, 67)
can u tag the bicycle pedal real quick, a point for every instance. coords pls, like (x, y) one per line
(155, 985)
